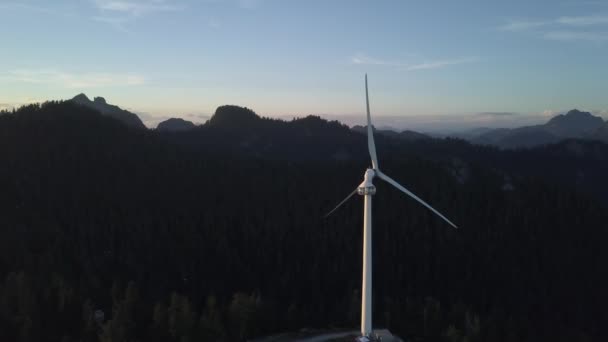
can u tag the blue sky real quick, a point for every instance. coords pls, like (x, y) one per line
(430, 63)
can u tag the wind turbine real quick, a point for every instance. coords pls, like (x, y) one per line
(367, 190)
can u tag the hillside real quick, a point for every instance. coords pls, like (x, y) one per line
(216, 233)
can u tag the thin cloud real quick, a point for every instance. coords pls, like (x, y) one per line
(199, 117)
(573, 36)
(602, 113)
(499, 114)
(565, 28)
(37, 9)
(136, 8)
(73, 80)
(120, 13)
(363, 59)
(150, 120)
(440, 63)
(549, 113)
(589, 20)
(16, 5)
(521, 25)
(585, 3)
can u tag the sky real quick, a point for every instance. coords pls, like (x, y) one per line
(446, 64)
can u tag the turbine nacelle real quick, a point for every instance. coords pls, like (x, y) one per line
(366, 187)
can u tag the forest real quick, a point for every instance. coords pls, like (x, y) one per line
(114, 233)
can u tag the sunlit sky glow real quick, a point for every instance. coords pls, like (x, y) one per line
(443, 63)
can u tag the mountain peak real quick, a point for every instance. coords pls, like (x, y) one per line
(100, 100)
(573, 124)
(100, 105)
(231, 115)
(175, 125)
(576, 112)
(575, 115)
(81, 98)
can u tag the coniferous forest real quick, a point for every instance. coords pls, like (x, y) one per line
(114, 233)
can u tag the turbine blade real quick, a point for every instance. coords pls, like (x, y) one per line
(340, 204)
(370, 131)
(412, 195)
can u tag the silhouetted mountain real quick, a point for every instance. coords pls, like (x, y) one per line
(238, 132)
(230, 116)
(175, 125)
(574, 124)
(403, 135)
(100, 104)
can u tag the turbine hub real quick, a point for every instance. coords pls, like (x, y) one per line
(366, 187)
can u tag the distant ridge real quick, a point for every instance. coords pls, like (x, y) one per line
(100, 104)
(403, 135)
(574, 124)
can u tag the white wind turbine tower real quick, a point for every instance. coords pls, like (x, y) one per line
(367, 189)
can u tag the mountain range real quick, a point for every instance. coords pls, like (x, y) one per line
(574, 124)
